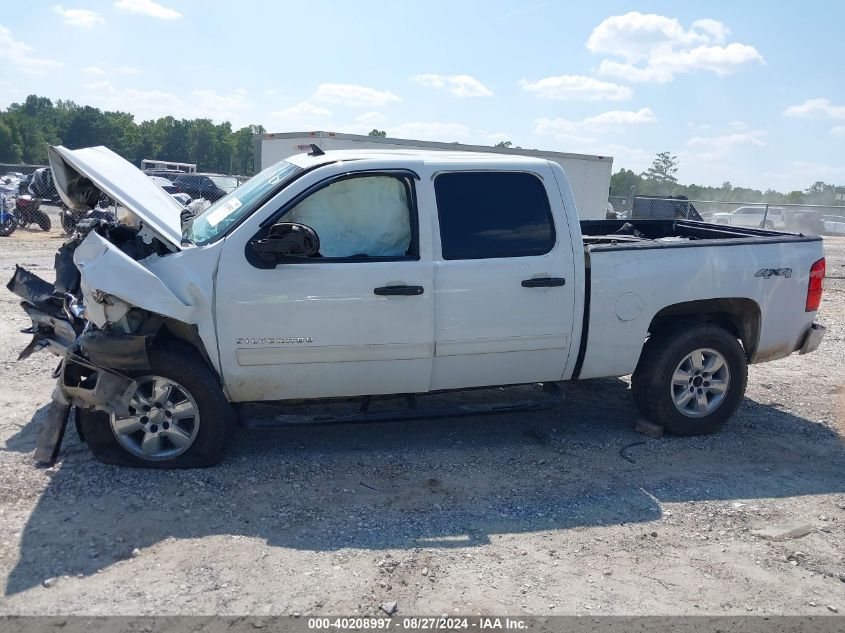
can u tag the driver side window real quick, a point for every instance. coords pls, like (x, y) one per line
(360, 216)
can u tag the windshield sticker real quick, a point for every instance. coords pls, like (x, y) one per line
(218, 215)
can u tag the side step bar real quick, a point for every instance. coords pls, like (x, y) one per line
(413, 412)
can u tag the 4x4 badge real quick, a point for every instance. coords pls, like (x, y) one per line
(765, 273)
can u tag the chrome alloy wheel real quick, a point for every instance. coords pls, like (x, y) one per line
(163, 420)
(700, 383)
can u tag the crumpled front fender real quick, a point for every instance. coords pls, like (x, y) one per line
(105, 269)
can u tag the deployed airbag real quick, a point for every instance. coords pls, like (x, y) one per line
(358, 216)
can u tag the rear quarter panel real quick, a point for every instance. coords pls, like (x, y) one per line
(630, 286)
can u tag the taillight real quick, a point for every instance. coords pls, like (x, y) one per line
(814, 288)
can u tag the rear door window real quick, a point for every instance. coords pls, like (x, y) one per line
(493, 214)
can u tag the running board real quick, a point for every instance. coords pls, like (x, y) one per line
(412, 412)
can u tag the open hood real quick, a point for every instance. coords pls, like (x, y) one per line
(120, 180)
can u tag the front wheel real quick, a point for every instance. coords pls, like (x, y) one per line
(691, 378)
(178, 416)
(8, 224)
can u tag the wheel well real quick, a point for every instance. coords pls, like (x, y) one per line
(740, 317)
(171, 330)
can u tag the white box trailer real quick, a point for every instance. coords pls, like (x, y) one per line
(589, 175)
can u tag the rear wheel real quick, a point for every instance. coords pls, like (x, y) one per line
(43, 221)
(178, 416)
(690, 379)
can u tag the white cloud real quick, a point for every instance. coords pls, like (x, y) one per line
(302, 116)
(148, 8)
(816, 109)
(354, 96)
(432, 131)
(622, 117)
(152, 104)
(655, 48)
(444, 132)
(94, 70)
(127, 70)
(21, 56)
(83, 18)
(753, 137)
(373, 119)
(577, 88)
(459, 85)
(838, 132)
(582, 131)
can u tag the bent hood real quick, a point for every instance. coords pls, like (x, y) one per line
(120, 180)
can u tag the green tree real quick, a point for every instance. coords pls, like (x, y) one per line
(662, 170)
(503, 144)
(375, 132)
(623, 182)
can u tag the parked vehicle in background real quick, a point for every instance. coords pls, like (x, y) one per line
(182, 198)
(105, 209)
(149, 164)
(169, 174)
(28, 210)
(9, 183)
(360, 273)
(754, 217)
(589, 175)
(209, 186)
(8, 220)
(834, 224)
(24, 211)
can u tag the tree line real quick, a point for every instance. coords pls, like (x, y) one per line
(660, 180)
(26, 129)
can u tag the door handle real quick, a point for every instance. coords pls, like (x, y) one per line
(402, 291)
(543, 282)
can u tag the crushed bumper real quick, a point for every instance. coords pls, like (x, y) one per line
(812, 339)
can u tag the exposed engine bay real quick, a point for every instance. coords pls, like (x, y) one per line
(99, 337)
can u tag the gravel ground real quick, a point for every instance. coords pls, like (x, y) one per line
(566, 511)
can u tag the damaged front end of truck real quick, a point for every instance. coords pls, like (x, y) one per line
(115, 290)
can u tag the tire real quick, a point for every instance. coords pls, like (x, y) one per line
(676, 349)
(43, 221)
(8, 226)
(215, 417)
(68, 222)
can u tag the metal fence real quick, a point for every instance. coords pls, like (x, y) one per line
(824, 220)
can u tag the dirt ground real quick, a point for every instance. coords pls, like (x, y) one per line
(566, 511)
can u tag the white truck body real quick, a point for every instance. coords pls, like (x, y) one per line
(588, 174)
(428, 318)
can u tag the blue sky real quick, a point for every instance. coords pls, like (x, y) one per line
(750, 92)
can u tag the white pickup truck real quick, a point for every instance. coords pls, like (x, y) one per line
(344, 274)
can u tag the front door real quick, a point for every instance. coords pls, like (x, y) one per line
(357, 320)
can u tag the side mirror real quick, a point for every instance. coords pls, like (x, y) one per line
(286, 239)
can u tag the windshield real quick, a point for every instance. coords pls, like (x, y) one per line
(224, 182)
(215, 221)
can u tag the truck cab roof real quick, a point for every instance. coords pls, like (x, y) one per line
(428, 157)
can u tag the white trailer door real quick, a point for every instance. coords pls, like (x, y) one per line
(355, 321)
(504, 286)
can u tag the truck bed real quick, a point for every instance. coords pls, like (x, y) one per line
(635, 268)
(612, 235)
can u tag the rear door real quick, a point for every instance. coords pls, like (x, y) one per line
(504, 292)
